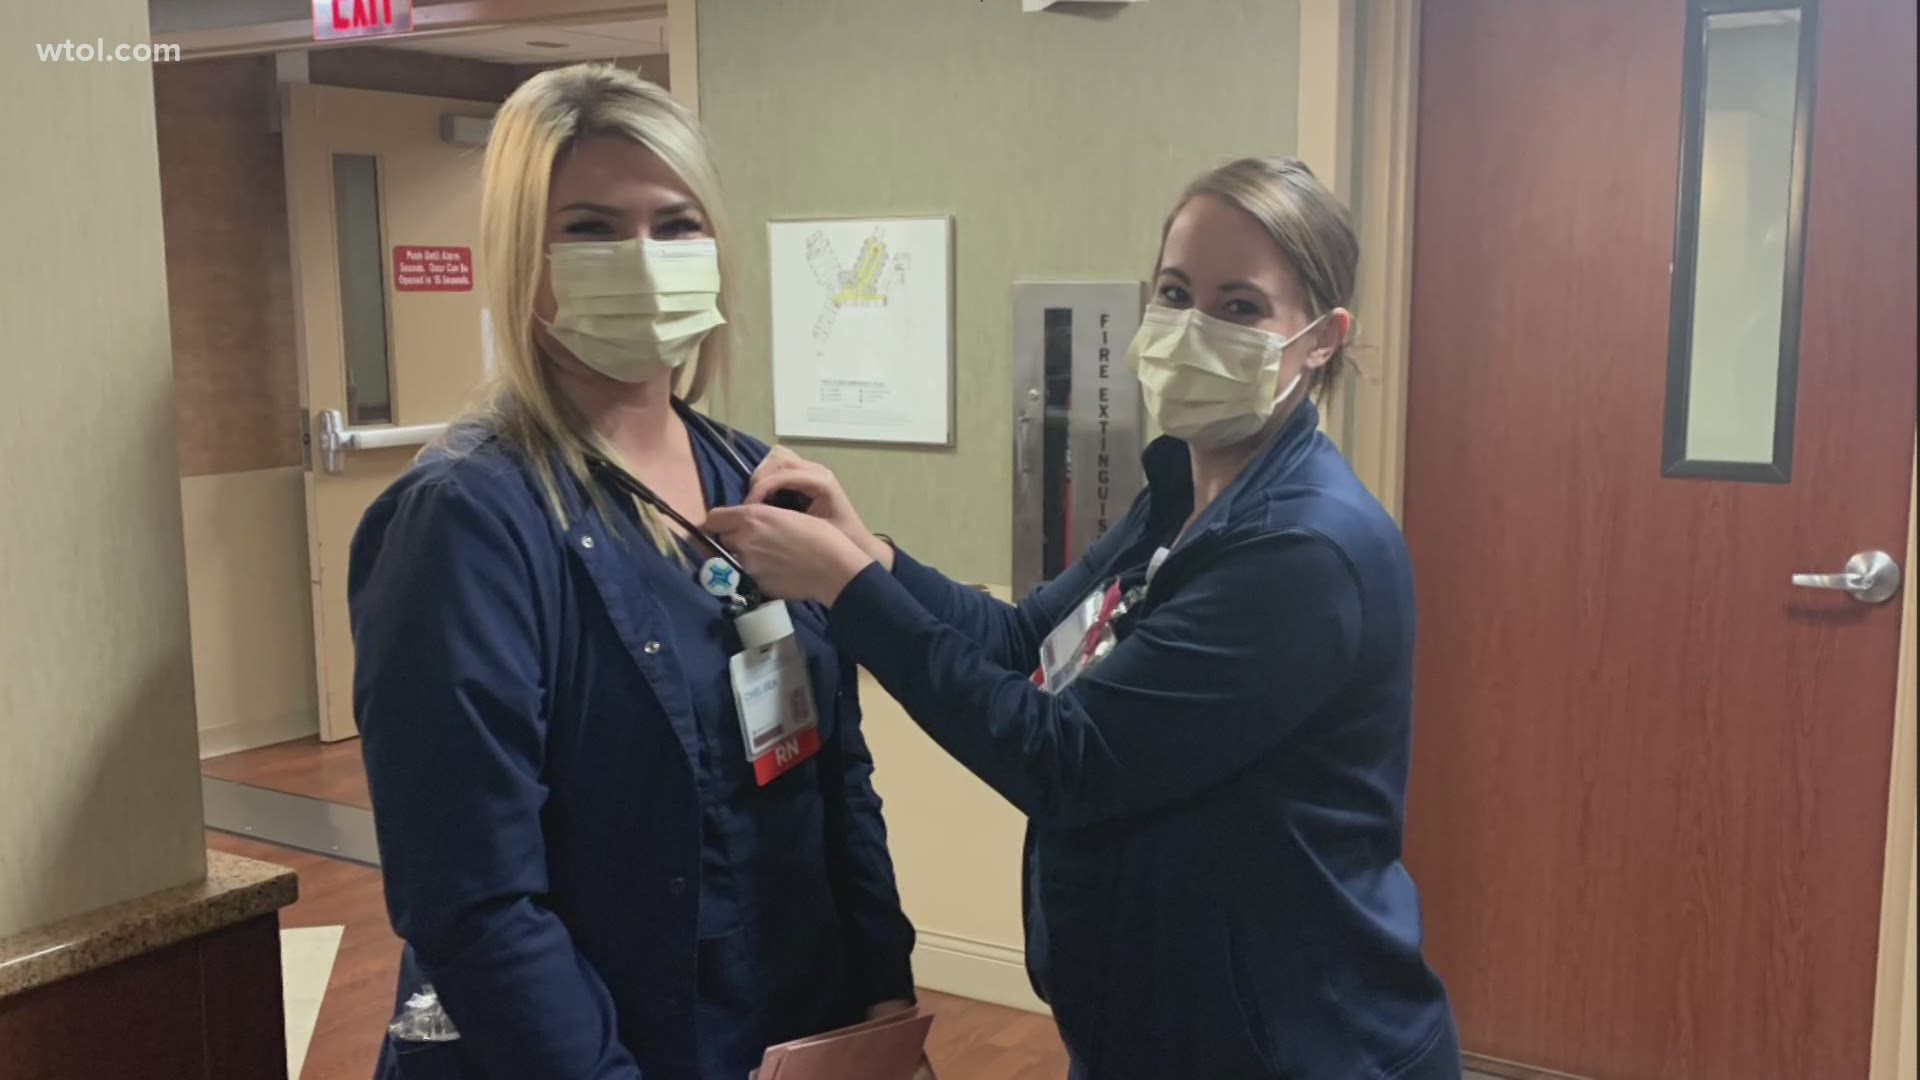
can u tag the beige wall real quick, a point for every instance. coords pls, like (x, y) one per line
(1057, 141)
(1896, 1038)
(99, 797)
(251, 608)
(956, 855)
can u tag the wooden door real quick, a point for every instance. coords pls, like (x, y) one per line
(384, 217)
(1650, 780)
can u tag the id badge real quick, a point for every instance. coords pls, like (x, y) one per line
(773, 694)
(1081, 640)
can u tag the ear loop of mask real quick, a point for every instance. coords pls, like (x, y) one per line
(1305, 330)
(1282, 348)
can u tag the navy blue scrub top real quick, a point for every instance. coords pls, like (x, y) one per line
(1213, 885)
(726, 779)
(554, 755)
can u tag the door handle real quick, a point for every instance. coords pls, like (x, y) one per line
(336, 438)
(1020, 448)
(1023, 420)
(1871, 577)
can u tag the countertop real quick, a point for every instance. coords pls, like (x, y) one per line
(234, 891)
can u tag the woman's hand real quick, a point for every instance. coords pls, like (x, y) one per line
(791, 556)
(784, 470)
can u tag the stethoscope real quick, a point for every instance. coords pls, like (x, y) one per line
(742, 593)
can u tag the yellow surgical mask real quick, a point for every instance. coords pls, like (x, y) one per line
(1208, 381)
(631, 309)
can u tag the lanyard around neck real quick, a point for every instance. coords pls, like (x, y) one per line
(689, 415)
(749, 593)
(779, 500)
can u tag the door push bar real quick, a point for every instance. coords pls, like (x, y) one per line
(336, 438)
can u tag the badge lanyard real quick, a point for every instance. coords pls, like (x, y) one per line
(779, 500)
(724, 576)
(742, 594)
(772, 692)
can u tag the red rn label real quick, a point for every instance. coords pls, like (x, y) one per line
(771, 765)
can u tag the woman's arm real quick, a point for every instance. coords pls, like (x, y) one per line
(450, 696)
(880, 937)
(1010, 634)
(1216, 676)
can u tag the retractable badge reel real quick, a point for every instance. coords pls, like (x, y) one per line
(772, 692)
(1087, 635)
(1083, 639)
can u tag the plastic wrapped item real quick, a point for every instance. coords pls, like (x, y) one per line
(422, 1019)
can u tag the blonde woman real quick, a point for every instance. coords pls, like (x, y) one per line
(1206, 719)
(593, 875)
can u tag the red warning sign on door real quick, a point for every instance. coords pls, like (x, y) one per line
(432, 269)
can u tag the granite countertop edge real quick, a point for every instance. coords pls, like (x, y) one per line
(235, 890)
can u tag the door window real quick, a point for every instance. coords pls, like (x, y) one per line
(1733, 353)
(363, 289)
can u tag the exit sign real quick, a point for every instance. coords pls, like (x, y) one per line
(335, 20)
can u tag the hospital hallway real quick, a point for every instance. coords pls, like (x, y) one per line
(1378, 536)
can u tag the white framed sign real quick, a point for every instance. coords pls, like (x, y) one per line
(862, 327)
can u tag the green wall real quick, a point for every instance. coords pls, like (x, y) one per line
(1057, 142)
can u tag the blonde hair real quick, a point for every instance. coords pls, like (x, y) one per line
(537, 126)
(1306, 222)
